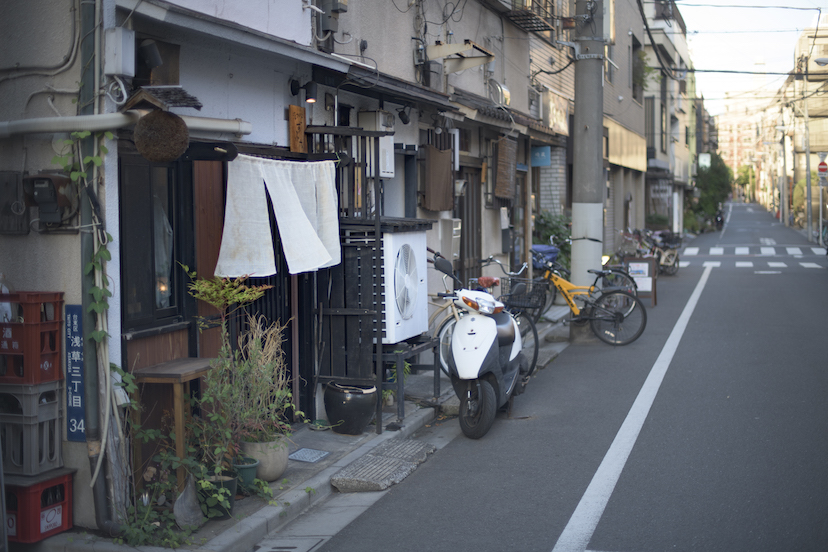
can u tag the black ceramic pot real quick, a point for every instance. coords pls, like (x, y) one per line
(350, 407)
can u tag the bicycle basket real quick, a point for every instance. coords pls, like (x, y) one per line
(533, 297)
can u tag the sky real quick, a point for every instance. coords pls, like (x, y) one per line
(723, 36)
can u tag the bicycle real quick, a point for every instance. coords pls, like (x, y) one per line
(607, 279)
(450, 315)
(616, 316)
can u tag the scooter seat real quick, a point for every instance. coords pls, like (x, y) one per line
(505, 329)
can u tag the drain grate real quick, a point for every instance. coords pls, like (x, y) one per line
(308, 455)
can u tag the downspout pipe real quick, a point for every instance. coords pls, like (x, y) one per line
(112, 121)
(88, 57)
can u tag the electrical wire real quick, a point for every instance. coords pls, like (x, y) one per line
(666, 70)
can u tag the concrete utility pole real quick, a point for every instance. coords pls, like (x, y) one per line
(587, 136)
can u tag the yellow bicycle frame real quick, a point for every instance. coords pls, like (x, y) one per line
(568, 290)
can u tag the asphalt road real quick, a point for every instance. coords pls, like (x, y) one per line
(708, 433)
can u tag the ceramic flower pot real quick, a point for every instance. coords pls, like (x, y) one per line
(246, 470)
(350, 408)
(272, 457)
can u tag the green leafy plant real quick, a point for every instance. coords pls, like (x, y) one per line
(641, 72)
(149, 519)
(247, 395)
(549, 226)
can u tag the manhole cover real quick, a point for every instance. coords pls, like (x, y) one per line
(308, 455)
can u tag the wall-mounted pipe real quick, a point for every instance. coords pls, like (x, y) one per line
(112, 121)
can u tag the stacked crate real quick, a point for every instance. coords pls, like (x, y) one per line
(38, 488)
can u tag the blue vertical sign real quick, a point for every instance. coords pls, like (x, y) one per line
(75, 409)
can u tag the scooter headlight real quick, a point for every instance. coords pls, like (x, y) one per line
(481, 305)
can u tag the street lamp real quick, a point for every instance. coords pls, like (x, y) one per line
(822, 62)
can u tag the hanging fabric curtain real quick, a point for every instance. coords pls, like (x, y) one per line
(306, 207)
(246, 244)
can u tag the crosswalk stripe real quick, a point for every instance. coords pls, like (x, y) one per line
(691, 251)
(818, 250)
(767, 250)
(744, 264)
(743, 250)
(794, 251)
(684, 264)
(777, 265)
(810, 265)
(717, 250)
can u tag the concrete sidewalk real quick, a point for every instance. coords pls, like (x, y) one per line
(316, 457)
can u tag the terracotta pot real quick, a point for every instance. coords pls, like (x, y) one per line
(350, 408)
(272, 457)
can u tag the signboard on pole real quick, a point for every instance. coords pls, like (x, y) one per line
(822, 170)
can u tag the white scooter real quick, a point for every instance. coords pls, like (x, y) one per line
(486, 363)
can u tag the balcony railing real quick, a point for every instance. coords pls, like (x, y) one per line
(532, 16)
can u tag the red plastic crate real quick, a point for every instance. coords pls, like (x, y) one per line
(30, 345)
(38, 507)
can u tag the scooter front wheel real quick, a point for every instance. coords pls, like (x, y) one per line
(477, 408)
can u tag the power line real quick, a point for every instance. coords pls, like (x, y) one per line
(683, 4)
(735, 71)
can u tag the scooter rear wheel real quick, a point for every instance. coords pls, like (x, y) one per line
(671, 269)
(477, 409)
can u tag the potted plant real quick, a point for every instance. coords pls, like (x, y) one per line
(223, 403)
(247, 395)
(265, 397)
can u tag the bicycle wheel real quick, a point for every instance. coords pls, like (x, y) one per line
(618, 318)
(618, 279)
(542, 300)
(444, 333)
(529, 336)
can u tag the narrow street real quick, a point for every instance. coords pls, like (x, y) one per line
(708, 433)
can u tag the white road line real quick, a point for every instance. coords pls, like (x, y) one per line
(691, 251)
(713, 263)
(818, 250)
(810, 265)
(581, 526)
(684, 264)
(744, 264)
(767, 250)
(743, 250)
(767, 241)
(777, 265)
(717, 250)
(793, 251)
(767, 272)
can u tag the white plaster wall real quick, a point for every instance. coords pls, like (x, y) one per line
(236, 86)
(48, 73)
(388, 31)
(282, 18)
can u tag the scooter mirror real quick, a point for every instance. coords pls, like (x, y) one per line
(444, 265)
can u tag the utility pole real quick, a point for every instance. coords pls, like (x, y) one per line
(808, 200)
(587, 137)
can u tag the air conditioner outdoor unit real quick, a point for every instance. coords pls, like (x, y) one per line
(405, 285)
(379, 120)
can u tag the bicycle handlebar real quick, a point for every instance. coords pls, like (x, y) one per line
(491, 259)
